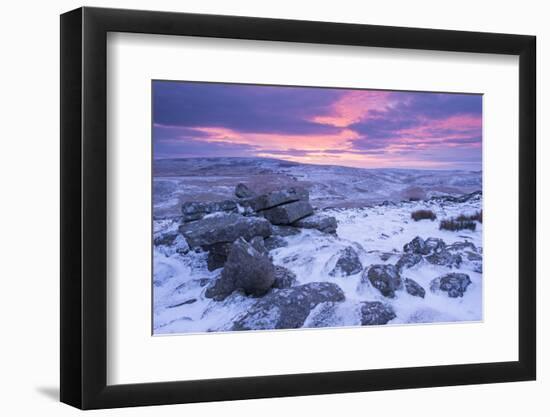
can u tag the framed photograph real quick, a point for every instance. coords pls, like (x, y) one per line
(257, 208)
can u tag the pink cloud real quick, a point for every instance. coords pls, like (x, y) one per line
(355, 106)
(276, 141)
(373, 129)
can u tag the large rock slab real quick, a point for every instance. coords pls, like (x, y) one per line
(276, 198)
(348, 263)
(246, 269)
(218, 252)
(288, 308)
(385, 278)
(288, 213)
(376, 313)
(224, 228)
(194, 210)
(454, 284)
(321, 222)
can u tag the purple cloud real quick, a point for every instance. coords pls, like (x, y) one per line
(246, 108)
(193, 119)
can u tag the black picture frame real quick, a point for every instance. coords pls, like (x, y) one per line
(84, 207)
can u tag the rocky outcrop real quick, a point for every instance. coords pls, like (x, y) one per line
(219, 291)
(287, 213)
(454, 284)
(217, 254)
(195, 210)
(274, 242)
(246, 269)
(325, 315)
(215, 226)
(475, 196)
(385, 278)
(434, 250)
(289, 209)
(258, 244)
(384, 256)
(414, 288)
(284, 277)
(242, 191)
(416, 246)
(445, 258)
(165, 239)
(224, 228)
(321, 222)
(348, 263)
(461, 246)
(408, 260)
(473, 256)
(420, 246)
(285, 231)
(287, 308)
(277, 198)
(469, 251)
(171, 243)
(376, 313)
(434, 245)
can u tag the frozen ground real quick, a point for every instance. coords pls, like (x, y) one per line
(377, 231)
(210, 179)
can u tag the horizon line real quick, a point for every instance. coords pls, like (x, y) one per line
(320, 165)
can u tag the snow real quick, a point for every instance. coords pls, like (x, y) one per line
(210, 179)
(376, 230)
(311, 255)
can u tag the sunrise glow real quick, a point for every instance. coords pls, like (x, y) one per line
(359, 128)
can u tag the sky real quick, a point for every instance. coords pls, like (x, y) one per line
(349, 127)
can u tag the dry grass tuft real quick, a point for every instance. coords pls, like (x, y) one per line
(422, 215)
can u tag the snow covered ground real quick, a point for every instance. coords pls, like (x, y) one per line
(211, 179)
(377, 231)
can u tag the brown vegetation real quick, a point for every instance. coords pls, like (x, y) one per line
(477, 216)
(423, 214)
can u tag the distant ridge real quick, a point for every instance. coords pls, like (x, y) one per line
(169, 166)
